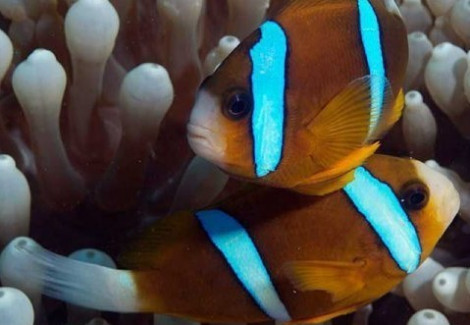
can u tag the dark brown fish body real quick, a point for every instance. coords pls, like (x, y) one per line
(195, 281)
(326, 52)
(186, 274)
(265, 253)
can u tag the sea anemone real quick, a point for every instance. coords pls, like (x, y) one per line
(94, 99)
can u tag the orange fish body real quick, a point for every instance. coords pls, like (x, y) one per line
(330, 115)
(265, 253)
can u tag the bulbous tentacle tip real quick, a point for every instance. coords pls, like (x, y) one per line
(450, 290)
(416, 16)
(413, 99)
(97, 321)
(419, 49)
(417, 287)
(145, 97)
(443, 32)
(15, 307)
(93, 256)
(419, 126)
(444, 75)
(6, 162)
(39, 84)
(215, 57)
(428, 317)
(91, 28)
(16, 261)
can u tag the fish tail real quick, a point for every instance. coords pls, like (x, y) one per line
(26, 263)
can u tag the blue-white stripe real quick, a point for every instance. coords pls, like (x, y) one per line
(235, 244)
(377, 202)
(268, 57)
(370, 35)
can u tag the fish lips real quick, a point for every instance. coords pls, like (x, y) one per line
(201, 141)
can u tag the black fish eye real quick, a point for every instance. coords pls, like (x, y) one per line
(414, 195)
(237, 104)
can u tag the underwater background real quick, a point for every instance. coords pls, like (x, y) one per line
(96, 171)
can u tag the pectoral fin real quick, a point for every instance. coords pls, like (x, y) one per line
(340, 279)
(349, 121)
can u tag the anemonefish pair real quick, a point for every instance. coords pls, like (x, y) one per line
(303, 100)
(265, 253)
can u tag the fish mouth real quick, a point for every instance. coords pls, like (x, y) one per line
(199, 135)
(201, 141)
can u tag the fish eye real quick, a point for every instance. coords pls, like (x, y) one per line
(237, 104)
(414, 195)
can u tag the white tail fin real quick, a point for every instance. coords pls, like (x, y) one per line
(27, 263)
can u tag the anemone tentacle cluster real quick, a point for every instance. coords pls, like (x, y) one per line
(435, 127)
(94, 96)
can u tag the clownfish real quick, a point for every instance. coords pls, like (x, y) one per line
(265, 253)
(303, 100)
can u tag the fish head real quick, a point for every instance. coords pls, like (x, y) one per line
(243, 104)
(219, 129)
(428, 197)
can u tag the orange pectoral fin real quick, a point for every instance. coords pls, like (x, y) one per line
(340, 279)
(352, 119)
(343, 125)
